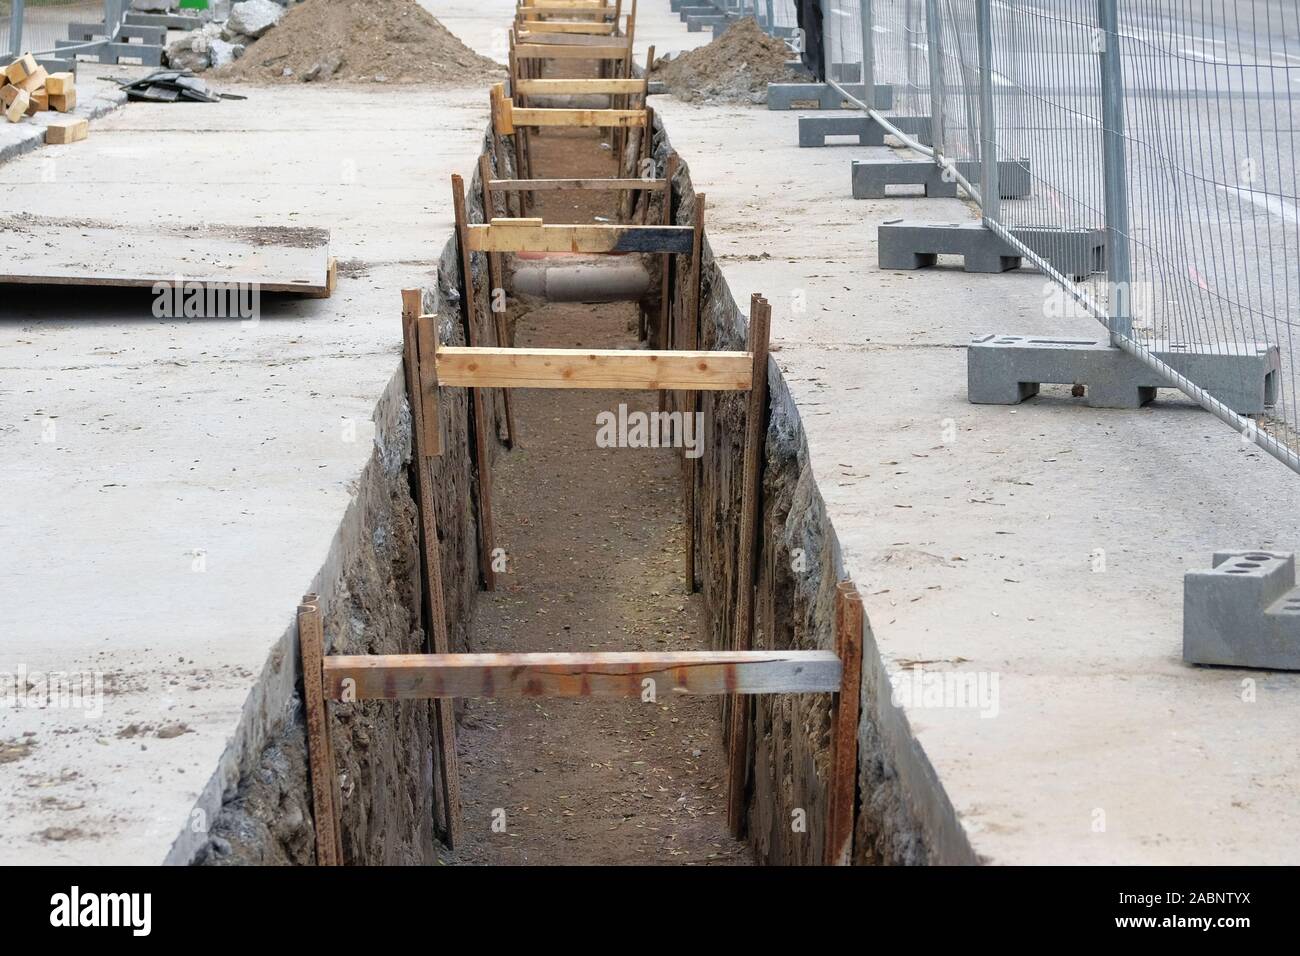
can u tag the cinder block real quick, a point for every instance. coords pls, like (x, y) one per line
(1014, 179)
(784, 96)
(845, 72)
(813, 130)
(914, 245)
(871, 177)
(86, 32)
(1243, 612)
(116, 52)
(695, 23)
(1007, 369)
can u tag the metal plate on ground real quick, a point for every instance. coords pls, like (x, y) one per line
(39, 250)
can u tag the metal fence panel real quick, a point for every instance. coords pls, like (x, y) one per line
(1166, 125)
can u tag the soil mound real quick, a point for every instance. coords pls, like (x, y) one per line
(393, 41)
(734, 68)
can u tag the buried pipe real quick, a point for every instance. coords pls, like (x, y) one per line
(565, 279)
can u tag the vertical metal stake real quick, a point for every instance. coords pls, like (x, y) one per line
(990, 188)
(16, 29)
(868, 55)
(1119, 265)
(934, 44)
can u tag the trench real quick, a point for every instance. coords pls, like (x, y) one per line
(592, 539)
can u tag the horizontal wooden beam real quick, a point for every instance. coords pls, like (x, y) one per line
(578, 87)
(530, 235)
(634, 674)
(548, 185)
(529, 116)
(570, 39)
(547, 51)
(589, 27)
(544, 5)
(594, 368)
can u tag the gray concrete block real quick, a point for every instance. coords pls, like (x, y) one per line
(914, 245)
(845, 72)
(1014, 179)
(784, 96)
(117, 52)
(813, 130)
(1243, 612)
(1077, 253)
(871, 177)
(150, 34)
(1007, 369)
(695, 23)
(696, 10)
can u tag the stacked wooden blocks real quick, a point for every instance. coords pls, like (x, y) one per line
(28, 89)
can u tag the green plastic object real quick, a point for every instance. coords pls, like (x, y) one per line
(194, 4)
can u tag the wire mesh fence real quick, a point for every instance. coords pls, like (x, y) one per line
(1163, 131)
(39, 26)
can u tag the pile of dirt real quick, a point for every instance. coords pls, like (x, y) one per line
(734, 68)
(385, 41)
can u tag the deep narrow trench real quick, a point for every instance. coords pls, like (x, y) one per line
(593, 539)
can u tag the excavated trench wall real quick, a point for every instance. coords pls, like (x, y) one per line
(903, 816)
(370, 597)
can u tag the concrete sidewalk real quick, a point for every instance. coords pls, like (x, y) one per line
(172, 487)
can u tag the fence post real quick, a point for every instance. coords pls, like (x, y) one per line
(771, 17)
(990, 188)
(1119, 267)
(868, 55)
(934, 44)
(16, 29)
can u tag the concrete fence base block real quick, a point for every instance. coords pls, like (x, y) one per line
(686, 12)
(871, 177)
(1007, 369)
(1243, 612)
(813, 130)
(86, 32)
(696, 22)
(845, 72)
(117, 52)
(784, 96)
(915, 245)
(169, 21)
